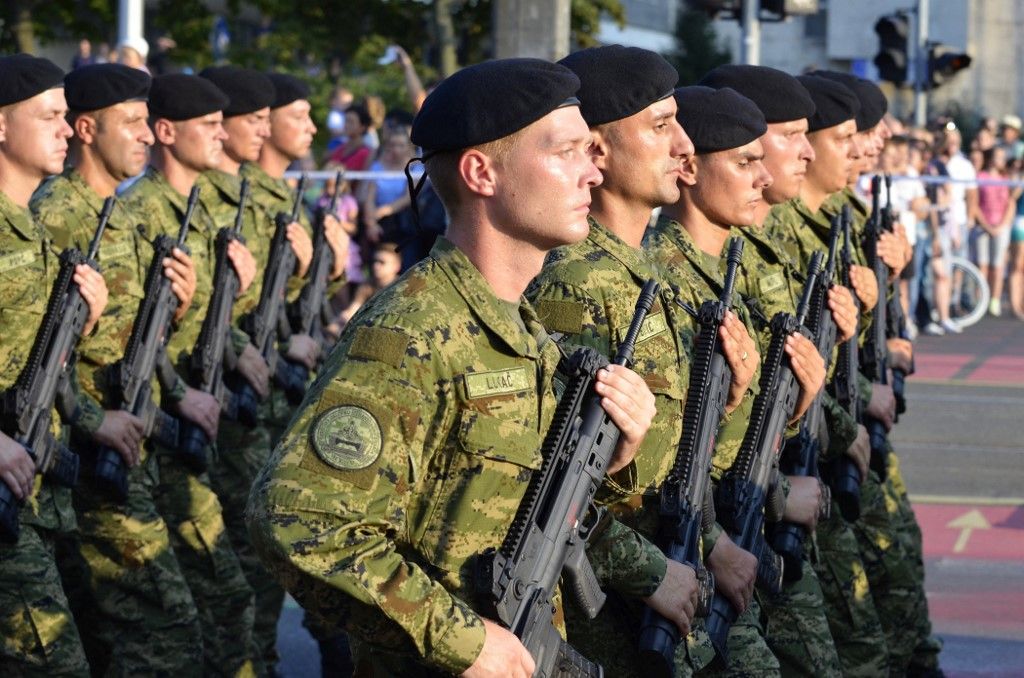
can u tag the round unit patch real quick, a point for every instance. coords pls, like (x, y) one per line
(347, 438)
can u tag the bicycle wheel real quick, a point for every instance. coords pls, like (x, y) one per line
(970, 293)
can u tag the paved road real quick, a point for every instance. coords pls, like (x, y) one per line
(963, 459)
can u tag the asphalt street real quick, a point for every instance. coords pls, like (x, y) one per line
(962, 457)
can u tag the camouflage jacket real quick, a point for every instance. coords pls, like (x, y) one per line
(164, 209)
(28, 267)
(408, 458)
(672, 248)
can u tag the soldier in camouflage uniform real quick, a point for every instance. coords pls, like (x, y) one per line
(896, 574)
(726, 168)
(38, 636)
(798, 628)
(803, 228)
(134, 608)
(378, 500)
(185, 114)
(586, 292)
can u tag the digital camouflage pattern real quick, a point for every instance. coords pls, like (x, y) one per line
(190, 508)
(587, 293)
(375, 504)
(674, 252)
(137, 613)
(37, 631)
(243, 450)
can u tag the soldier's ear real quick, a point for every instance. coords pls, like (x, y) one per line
(477, 171)
(85, 127)
(599, 146)
(164, 131)
(688, 171)
(3, 124)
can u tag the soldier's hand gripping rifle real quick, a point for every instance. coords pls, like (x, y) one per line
(845, 480)
(683, 513)
(896, 320)
(130, 378)
(213, 346)
(26, 407)
(874, 355)
(800, 454)
(268, 322)
(745, 487)
(311, 310)
(556, 517)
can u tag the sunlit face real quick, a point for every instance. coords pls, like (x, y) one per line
(292, 129)
(246, 134)
(199, 142)
(641, 156)
(119, 137)
(543, 184)
(34, 133)
(787, 152)
(386, 265)
(834, 156)
(729, 185)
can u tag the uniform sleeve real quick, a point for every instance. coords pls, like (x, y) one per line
(625, 561)
(842, 428)
(336, 501)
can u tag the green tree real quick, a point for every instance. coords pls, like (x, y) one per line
(697, 50)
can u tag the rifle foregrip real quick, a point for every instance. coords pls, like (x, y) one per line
(64, 468)
(111, 474)
(845, 487)
(571, 664)
(876, 431)
(10, 528)
(770, 570)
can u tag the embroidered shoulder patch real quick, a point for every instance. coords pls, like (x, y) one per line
(497, 382)
(770, 283)
(9, 262)
(347, 438)
(380, 344)
(560, 316)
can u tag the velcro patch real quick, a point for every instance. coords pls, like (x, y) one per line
(380, 344)
(107, 252)
(15, 260)
(770, 283)
(653, 325)
(497, 382)
(347, 438)
(560, 316)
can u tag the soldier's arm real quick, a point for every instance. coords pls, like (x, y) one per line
(626, 561)
(335, 500)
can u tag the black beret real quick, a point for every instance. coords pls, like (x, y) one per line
(22, 76)
(834, 103)
(779, 95)
(248, 90)
(287, 88)
(97, 86)
(718, 119)
(177, 96)
(873, 103)
(617, 82)
(491, 100)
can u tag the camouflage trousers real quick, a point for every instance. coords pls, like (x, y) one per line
(797, 630)
(852, 618)
(749, 654)
(133, 605)
(200, 540)
(38, 636)
(242, 451)
(890, 544)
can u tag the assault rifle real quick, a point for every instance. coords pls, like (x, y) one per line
(682, 514)
(846, 479)
(267, 322)
(213, 347)
(800, 454)
(745, 487)
(896, 320)
(874, 354)
(25, 407)
(556, 518)
(311, 310)
(131, 376)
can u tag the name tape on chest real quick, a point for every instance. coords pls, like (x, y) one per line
(653, 326)
(347, 438)
(498, 382)
(770, 283)
(109, 252)
(9, 262)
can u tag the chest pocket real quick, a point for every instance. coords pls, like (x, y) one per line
(477, 492)
(23, 284)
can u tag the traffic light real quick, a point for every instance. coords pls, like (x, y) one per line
(944, 62)
(893, 33)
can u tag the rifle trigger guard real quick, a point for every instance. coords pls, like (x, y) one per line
(594, 522)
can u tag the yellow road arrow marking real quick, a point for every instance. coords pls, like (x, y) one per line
(967, 523)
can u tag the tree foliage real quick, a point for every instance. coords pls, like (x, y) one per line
(697, 49)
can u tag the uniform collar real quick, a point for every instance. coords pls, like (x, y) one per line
(485, 305)
(19, 218)
(118, 218)
(701, 262)
(227, 185)
(254, 173)
(630, 257)
(201, 221)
